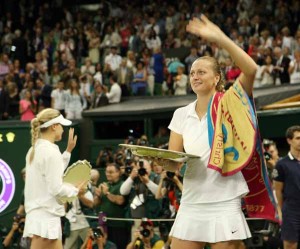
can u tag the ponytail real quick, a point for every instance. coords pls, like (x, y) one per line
(35, 132)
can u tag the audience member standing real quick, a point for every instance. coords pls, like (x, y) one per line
(115, 92)
(280, 71)
(125, 76)
(58, 98)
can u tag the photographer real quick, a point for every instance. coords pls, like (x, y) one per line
(270, 154)
(104, 157)
(15, 236)
(97, 239)
(170, 186)
(141, 186)
(145, 238)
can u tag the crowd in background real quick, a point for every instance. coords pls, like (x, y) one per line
(74, 58)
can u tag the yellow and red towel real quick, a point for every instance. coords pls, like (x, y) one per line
(236, 146)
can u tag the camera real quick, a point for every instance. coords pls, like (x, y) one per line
(128, 169)
(145, 232)
(267, 156)
(142, 171)
(119, 156)
(170, 174)
(97, 232)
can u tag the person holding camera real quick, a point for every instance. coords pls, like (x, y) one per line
(97, 239)
(170, 188)
(111, 202)
(141, 187)
(145, 237)
(271, 155)
(14, 237)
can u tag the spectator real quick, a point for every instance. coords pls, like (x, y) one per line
(266, 72)
(158, 68)
(88, 67)
(98, 75)
(294, 68)
(180, 82)
(191, 58)
(79, 225)
(145, 237)
(98, 97)
(141, 186)
(125, 76)
(271, 155)
(97, 239)
(94, 47)
(55, 76)
(139, 84)
(113, 59)
(287, 189)
(58, 98)
(280, 71)
(14, 237)
(19, 44)
(75, 102)
(152, 40)
(115, 92)
(14, 100)
(4, 66)
(112, 203)
(28, 107)
(4, 102)
(43, 94)
(86, 85)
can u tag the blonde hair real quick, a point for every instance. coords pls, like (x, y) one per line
(217, 70)
(41, 118)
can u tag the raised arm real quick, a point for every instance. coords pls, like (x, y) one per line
(206, 29)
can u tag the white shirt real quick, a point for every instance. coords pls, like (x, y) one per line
(114, 95)
(113, 60)
(59, 97)
(200, 183)
(44, 179)
(75, 214)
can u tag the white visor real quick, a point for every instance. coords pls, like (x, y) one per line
(58, 120)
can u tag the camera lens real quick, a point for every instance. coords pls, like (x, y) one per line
(145, 232)
(170, 174)
(128, 169)
(142, 171)
(267, 156)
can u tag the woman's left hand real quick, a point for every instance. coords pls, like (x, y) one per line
(72, 140)
(204, 28)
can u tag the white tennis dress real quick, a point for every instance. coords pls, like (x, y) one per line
(43, 186)
(210, 207)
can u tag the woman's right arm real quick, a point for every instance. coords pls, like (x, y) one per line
(176, 142)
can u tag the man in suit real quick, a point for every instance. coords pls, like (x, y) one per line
(4, 99)
(98, 97)
(280, 71)
(43, 94)
(124, 77)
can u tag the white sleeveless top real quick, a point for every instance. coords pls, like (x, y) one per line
(201, 184)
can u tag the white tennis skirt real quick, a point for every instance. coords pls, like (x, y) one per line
(43, 224)
(211, 222)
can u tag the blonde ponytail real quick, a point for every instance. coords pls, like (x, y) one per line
(35, 132)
